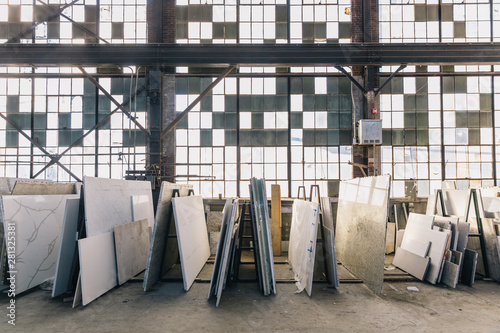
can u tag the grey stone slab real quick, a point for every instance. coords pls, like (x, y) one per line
(411, 263)
(97, 266)
(302, 243)
(469, 263)
(192, 236)
(214, 221)
(32, 188)
(68, 249)
(142, 209)
(463, 236)
(108, 202)
(131, 248)
(213, 238)
(361, 228)
(451, 268)
(492, 248)
(163, 252)
(77, 298)
(38, 220)
(455, 202)
(329, 241)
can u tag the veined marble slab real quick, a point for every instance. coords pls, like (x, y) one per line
(142, 208)
(329, 241)
(38, 220)
(97, 266)
(131, 247)
(192, 236)
(361, 228)
(163, 253)
(68, 248)
(302, 243)
(108, 202)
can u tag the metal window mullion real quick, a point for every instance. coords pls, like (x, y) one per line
(238, 147)
(96, 147)
(443, 162)
(289, 144)
(493, 146)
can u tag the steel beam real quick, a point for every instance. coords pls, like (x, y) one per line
(112, 99)
(353, 80)
(400, 68)
(272, 55)
(191, 106)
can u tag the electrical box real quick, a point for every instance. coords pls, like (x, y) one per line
(370, 132)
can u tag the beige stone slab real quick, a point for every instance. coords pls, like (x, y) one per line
(97, 266)
(131, 247)
(411, 263)
(32, 188)
(390, 238)
(361, 228)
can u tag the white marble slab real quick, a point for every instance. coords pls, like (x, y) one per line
(441, 222)
(131, 247)
(142, 208)
(329, 241)
(97, 266)
(38, 220)
(192, 236)
(68, 248)
(411, 263)
(108, 202)
(163, 253)
(361, 228)
(455, 202)
(302, 243)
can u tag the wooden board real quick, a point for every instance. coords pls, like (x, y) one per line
(276, 218)
(411, 263)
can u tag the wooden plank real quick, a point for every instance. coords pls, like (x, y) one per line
(276, 218)
(411, 263)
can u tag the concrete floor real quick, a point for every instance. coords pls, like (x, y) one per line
(353, 308)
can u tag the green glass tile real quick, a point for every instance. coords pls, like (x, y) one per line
(320, 138)
(448, 85)
(117, 30)
(230, 137)
(397, 85)
(410, 137)
(296, 119)
(281, 137)
(422, 137)
(421, 85)
(332, 85)
(269, 103)
(485, 102)
(269, 138)
(53, 30)
(194, 13)
(432, 12)
(245, 138)
(320, 30)
(206, 104)
(64, 120)
(257, 120)
(333, 137)
(218, 120)
(181, 85)
(485, 119)
(40, 121)
(460, 84)
(230, 30)
(181, 31)
(231, 120)
(344, 85)
(410, 119)
(230, 103)
(308, 137)
(181, 13)
(344, 29)
(422, 120)
(257, 138)
(422, 103)
(206, 13)
(281, 31)
(12, 104)
(420, 13)
(473, 119)
(333, 120)
(474, 136)
(386, 137)
(89, 121)
(257, 103)
(461, 119)
(345, 137)
(281, 13)
(117, 86)
(308, 85)
(308, 102)
(409, 103)
(194, 85)
(281, 103)
(22, 120)
(11, 139)
(333, 103)
(245, 103)
(204, 83)
(141, 103)
(64, 137)
(205, 138)
(397, 137)
(218, 30)
(446, 12)
(459, 29)
(104, 104)
(40, 137)
(4, 30)
(77, 32)
(320, 103)
(345, 120)
(137, 138)
(345, 103)
(107, 124)
(183, 123)
(296, 85)
(281, 85)
(307, 30)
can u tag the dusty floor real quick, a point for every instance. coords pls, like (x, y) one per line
(353, 308)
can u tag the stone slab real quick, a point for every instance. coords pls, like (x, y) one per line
(449, 222)
(451, 268)
(68, 248)
(97, 266)
(142, 209)
(411, 263)
(455, 202)
(192, 236)
(32, 188)
(329, 242)
(469, 263)
(131, 248)
(361, 228)
(77, 298)
(390, 238)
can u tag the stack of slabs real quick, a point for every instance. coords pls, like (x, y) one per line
(302, 244)
(192, 236)
(225, 249)
(262, 236)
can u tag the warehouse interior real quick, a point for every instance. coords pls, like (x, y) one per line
(329, 162)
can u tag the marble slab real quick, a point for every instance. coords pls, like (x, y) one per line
(142, 208)
(163, 253)
(192, 236)
(131, 248)
(108, 204)
(455, 202)
(38, 220)
(68, 249)
(33, 188)
(329, 241)
(97, 266)
(7, 184)
(361, 228)
(451, 268)
(492, 247)
(302, 243)
(411, 263)
(442, 222)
